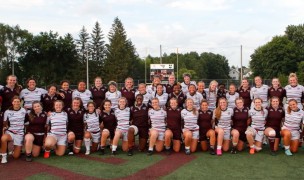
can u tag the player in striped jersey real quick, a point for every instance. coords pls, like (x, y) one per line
(186, 83)
(161, 96)
(66, 93)
(92, 129)
(277, 91)
(108, 124)
(113, 94)
(196, 97)
(206, 131)
(151, 89)
(231, 96)
(211, 94)
(273, 123)
(190, 128)
(31, 94)
(142, 90)
(255, 132)
(157, 118)
(35, 131)
(57, 130)
(178, 94)
(240, 122)
(81, 92)
(13, 127)
(294, 90)
(244, 92)
(49, 98)
(222, 116)
(201, 89)
(294, 118)
(122, 114)
(174, 127)
(98, 91)
(128, 91)
(260, 90)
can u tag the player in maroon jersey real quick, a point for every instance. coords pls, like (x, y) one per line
(174, 127)
(178, 94)
(35, 131)
(277, 91)
(98, 91)
(75, 125)
(206, 131)
(240, 121)
(274, 119)
(221, 92)
(48, 99)
(66, 93)
(201, 89)
(244, 92)
(108, 124)
(171, 82)
(128, 91)
(139, 125)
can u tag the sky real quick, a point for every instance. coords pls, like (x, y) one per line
(218, 26)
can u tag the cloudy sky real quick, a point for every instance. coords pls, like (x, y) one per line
(218, 26)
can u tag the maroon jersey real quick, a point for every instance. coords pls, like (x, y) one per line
(139, 116)
(67, 100)
(129, 95)
(239, 119)
(48, 101)
(98, 95)
(181, 97)
(204, 120)
(37, 124)
(75, 120)
(169, 88)
(174, 119)
(245, 94)
(203, 94)
(7, 94)
(109, 120)
(274, 117)
(280, 93)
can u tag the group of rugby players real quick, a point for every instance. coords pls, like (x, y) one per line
(165, 117)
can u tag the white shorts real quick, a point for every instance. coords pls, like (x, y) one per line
(195, 133)
(258, 135)
(61, 139)
(124, 134)
(227, 134)
(17, 138)
(295, 135)
(95, 137)
(161, 135)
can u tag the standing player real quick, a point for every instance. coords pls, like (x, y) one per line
(293, 91)
(196, 97)
(142, 90)
(221, 92)
(277, 91)
(161, 96)
(113, 94)
(48, 99)
(187, 82)
(128, 91)
(231, 96)
(174, 127)
(244, 92)
(14, 119)
(66, 93)
(171, 82)
(92, 129)
(157, 118)
(57, 130)
(81, 92)
(273, 123)
(211, 93)
(31, 94)
(35, 131)
(240, 122)
(260, 90)
(222, 116)
(178, 94)
(75, 114)
(151, 89)
(122, 114)
(206, 131)
(139, 125)
(201, 89)
(98, 91)
(255, 132)
(291, 127)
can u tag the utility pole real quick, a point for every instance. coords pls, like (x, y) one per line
(241, 62)
(176, 64)
(87, 69)
(160, 50)
(146, 65)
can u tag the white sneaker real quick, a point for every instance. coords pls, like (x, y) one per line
(87, 152)
(4, 159)
(71, 153)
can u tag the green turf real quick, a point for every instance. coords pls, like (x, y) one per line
(242, 166)
(103, 170)
(43, 176)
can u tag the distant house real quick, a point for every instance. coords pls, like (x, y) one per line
(247, 73)
(234, 73)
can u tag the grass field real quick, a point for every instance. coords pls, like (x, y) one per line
(199, 165)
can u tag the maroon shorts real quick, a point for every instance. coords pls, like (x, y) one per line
(143, 132)
(78, 134)
(38, 140)
(203, 134)
(177, 134)
(242, 136)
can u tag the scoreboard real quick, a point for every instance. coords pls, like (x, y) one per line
(162, 70)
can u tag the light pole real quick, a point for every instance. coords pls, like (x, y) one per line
(13, 64)
(87, 69)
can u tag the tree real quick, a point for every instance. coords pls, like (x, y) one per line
(217, 66)
(83, 50)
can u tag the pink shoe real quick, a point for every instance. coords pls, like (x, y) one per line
(219, 152)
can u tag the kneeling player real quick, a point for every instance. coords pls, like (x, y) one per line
(92, 129)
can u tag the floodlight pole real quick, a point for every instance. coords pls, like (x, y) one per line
(176, 64)
(241, 62)
(87, 69)
(160, 50)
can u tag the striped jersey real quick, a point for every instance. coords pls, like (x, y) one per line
(293, 120)
(190, 120)
(258, 118)
(29, 96)
(113, 97)
(225, 120)
(185, 86)
(152, 89)
(197, 98)
(147, 97)
(92, 122)
(231, 99)
(260, 92)
(16, 120)
(123, 118)
(294, 92)
(58, 123)
(211, 98)
(158, 119)
(163, 99)
(85, 96)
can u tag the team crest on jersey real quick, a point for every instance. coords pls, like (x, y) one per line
(7, 91)
(252, 113)
(245, 110)
(280, 111)
(271, 110)
(47, 99)
(209, 112)
(280, 90)
(236, 110)
(272, 90)
(71, 112)
(10, 114)
(42, 115)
